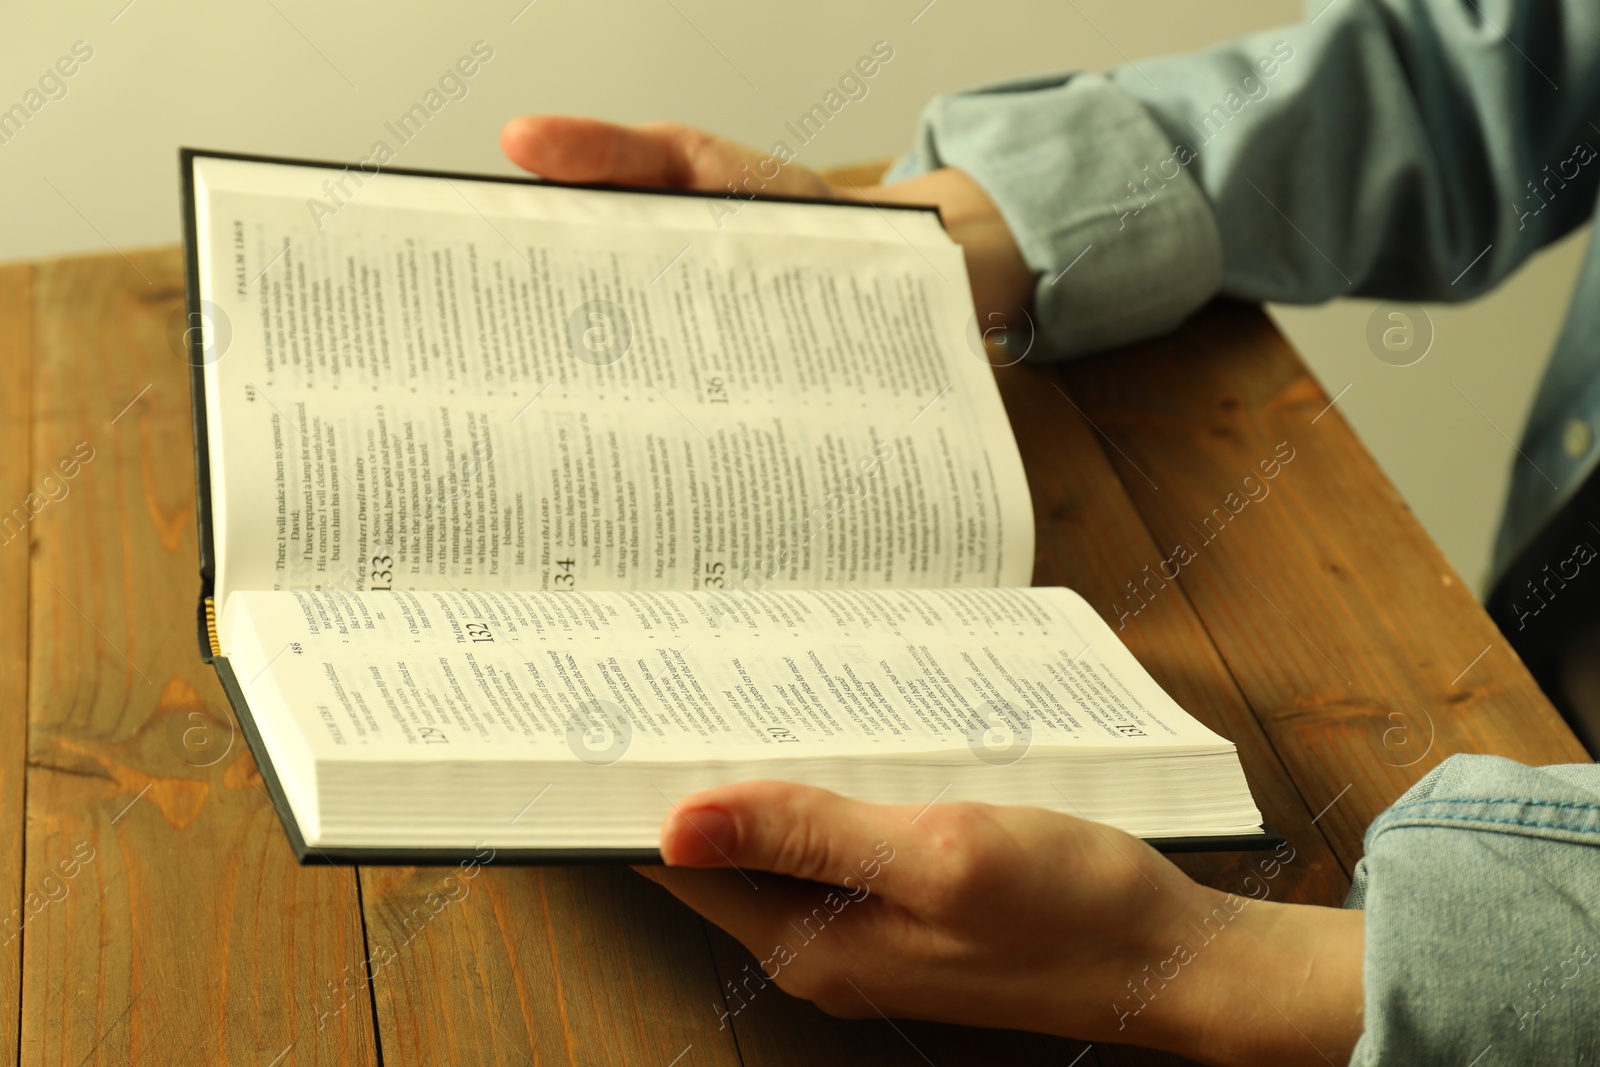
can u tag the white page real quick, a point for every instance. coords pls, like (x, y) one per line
(407, 401)
(496, 676)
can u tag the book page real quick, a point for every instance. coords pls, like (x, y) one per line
(451, 384)
(669, 677)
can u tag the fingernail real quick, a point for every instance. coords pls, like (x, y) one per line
(704, 837)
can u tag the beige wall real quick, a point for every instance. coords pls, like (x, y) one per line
(97, 167)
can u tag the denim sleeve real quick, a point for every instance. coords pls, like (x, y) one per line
(1409, 149)
(1481, 887)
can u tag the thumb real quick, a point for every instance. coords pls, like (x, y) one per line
(797, 830)
(572, 149)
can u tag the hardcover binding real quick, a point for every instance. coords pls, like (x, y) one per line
(206, 613)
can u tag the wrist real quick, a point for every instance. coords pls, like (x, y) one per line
(1002, 281)
(1246, 982)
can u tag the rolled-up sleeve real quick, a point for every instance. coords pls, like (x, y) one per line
(1481, 888)
(1054, 155)
(1408, 149)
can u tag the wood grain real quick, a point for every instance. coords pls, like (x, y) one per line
(1090, 538)
(182, 931)
(581, 965)
(1361, 651)
(1321, 632)
(16, 412)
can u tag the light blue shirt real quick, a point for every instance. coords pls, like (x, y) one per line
(1412, 151)
(1481, 887)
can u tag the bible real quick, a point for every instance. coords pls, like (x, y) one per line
(527, 509)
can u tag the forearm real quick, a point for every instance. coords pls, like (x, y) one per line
(1382, 149)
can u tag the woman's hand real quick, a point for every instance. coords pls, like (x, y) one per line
(662, 154)
(668, 155)
(1010, 917)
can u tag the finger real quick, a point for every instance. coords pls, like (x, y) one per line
(572, 149)
(789, 829)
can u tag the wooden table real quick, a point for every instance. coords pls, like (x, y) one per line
(1320, 629)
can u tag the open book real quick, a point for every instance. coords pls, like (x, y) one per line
(528, 509)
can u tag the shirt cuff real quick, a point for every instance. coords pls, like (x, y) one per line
(1096, 194)
(1479, 887)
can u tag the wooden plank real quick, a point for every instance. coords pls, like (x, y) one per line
(183, 932)
(1363, 653)
(579, 965)
(1090, 538)
(16, 403)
